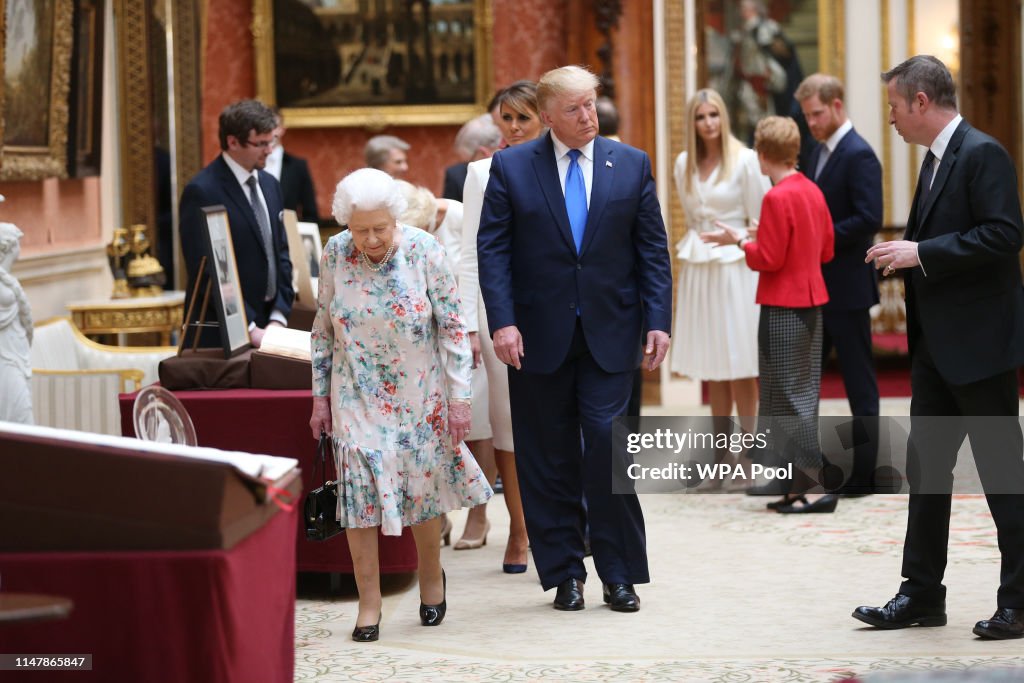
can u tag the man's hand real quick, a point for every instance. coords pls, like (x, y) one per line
(508, 346)
(474, 346)
(321, 418)
(460, 419)
(890, 256)
(656, 349)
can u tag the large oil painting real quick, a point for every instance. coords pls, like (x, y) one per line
(37, 53)
(373, 62)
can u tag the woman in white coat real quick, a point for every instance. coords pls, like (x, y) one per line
(715, 336)
(519, 121)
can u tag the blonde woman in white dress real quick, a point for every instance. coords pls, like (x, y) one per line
(715, 336)
(519, 121)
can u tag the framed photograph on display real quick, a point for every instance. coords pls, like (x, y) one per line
(302, 278)
(37, 39)
(312, 247)
(408, 62)
(225, 287)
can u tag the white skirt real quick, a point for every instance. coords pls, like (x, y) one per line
(715, 332)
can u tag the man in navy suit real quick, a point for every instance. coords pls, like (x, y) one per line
(293, 174)
(965, 324)
(846, 169)
(574, 266)
(252, 197)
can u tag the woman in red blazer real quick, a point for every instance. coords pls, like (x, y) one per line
(794, 238)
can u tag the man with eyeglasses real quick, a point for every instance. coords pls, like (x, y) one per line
(253, 200)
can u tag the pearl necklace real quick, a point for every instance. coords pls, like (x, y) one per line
(376, 267)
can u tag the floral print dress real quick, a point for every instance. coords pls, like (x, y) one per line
(390, 348)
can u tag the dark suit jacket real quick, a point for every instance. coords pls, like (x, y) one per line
(297, 188)
(970, 306)
(532, 277)
(852, 184)
(214, 185)
(454, 181)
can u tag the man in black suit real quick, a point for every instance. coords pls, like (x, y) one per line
(293, 174)
(478, 139)
(252, 197)
(965, 325)
(846, 169)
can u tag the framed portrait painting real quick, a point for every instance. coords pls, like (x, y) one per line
(225, 287)
(756, 52)
(37, 69)
(373, 63)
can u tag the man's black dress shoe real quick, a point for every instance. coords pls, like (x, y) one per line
(901, 612)
(826, 503)
(1006, 623)
(569, 595)
(621, 597)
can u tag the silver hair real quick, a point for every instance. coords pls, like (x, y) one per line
(476, 133)
(366, 190)
(379, 147)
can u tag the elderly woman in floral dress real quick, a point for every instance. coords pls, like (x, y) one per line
(397, 407)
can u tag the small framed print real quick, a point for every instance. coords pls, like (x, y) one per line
(225, 287)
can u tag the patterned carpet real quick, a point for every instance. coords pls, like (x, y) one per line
(739, 594)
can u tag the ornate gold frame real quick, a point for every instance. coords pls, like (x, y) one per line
(372, 117)
(50, 160)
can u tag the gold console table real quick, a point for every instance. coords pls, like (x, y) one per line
(156, 315)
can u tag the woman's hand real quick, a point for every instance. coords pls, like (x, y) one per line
(460, 418)
(474, 345)
(724, 236)
(321, 418)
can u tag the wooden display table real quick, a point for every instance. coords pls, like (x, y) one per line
(156, 315)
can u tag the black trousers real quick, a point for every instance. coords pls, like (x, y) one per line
(850, 333)
(997, 446)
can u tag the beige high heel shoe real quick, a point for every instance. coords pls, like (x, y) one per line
(474, 543)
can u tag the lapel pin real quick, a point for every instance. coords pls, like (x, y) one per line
(608, 163)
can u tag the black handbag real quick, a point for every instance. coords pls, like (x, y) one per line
(321, 506)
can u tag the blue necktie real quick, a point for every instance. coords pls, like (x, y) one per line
(576, 198)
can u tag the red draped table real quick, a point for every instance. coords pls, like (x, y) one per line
(276, 422)
(225, 616)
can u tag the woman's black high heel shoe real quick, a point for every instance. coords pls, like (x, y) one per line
(432, 615)
(366, 634)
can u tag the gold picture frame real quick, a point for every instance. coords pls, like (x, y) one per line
(356, 84)
(39, 32)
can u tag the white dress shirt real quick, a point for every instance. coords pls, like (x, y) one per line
(586, 162)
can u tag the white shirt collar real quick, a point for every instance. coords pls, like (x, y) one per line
(274, 161)
(561, 149)
(941, 141)
(833, 140)
(241, 175)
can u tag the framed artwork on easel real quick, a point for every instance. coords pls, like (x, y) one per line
(224, 286)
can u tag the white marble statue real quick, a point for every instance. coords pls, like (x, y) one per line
(15, 334)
